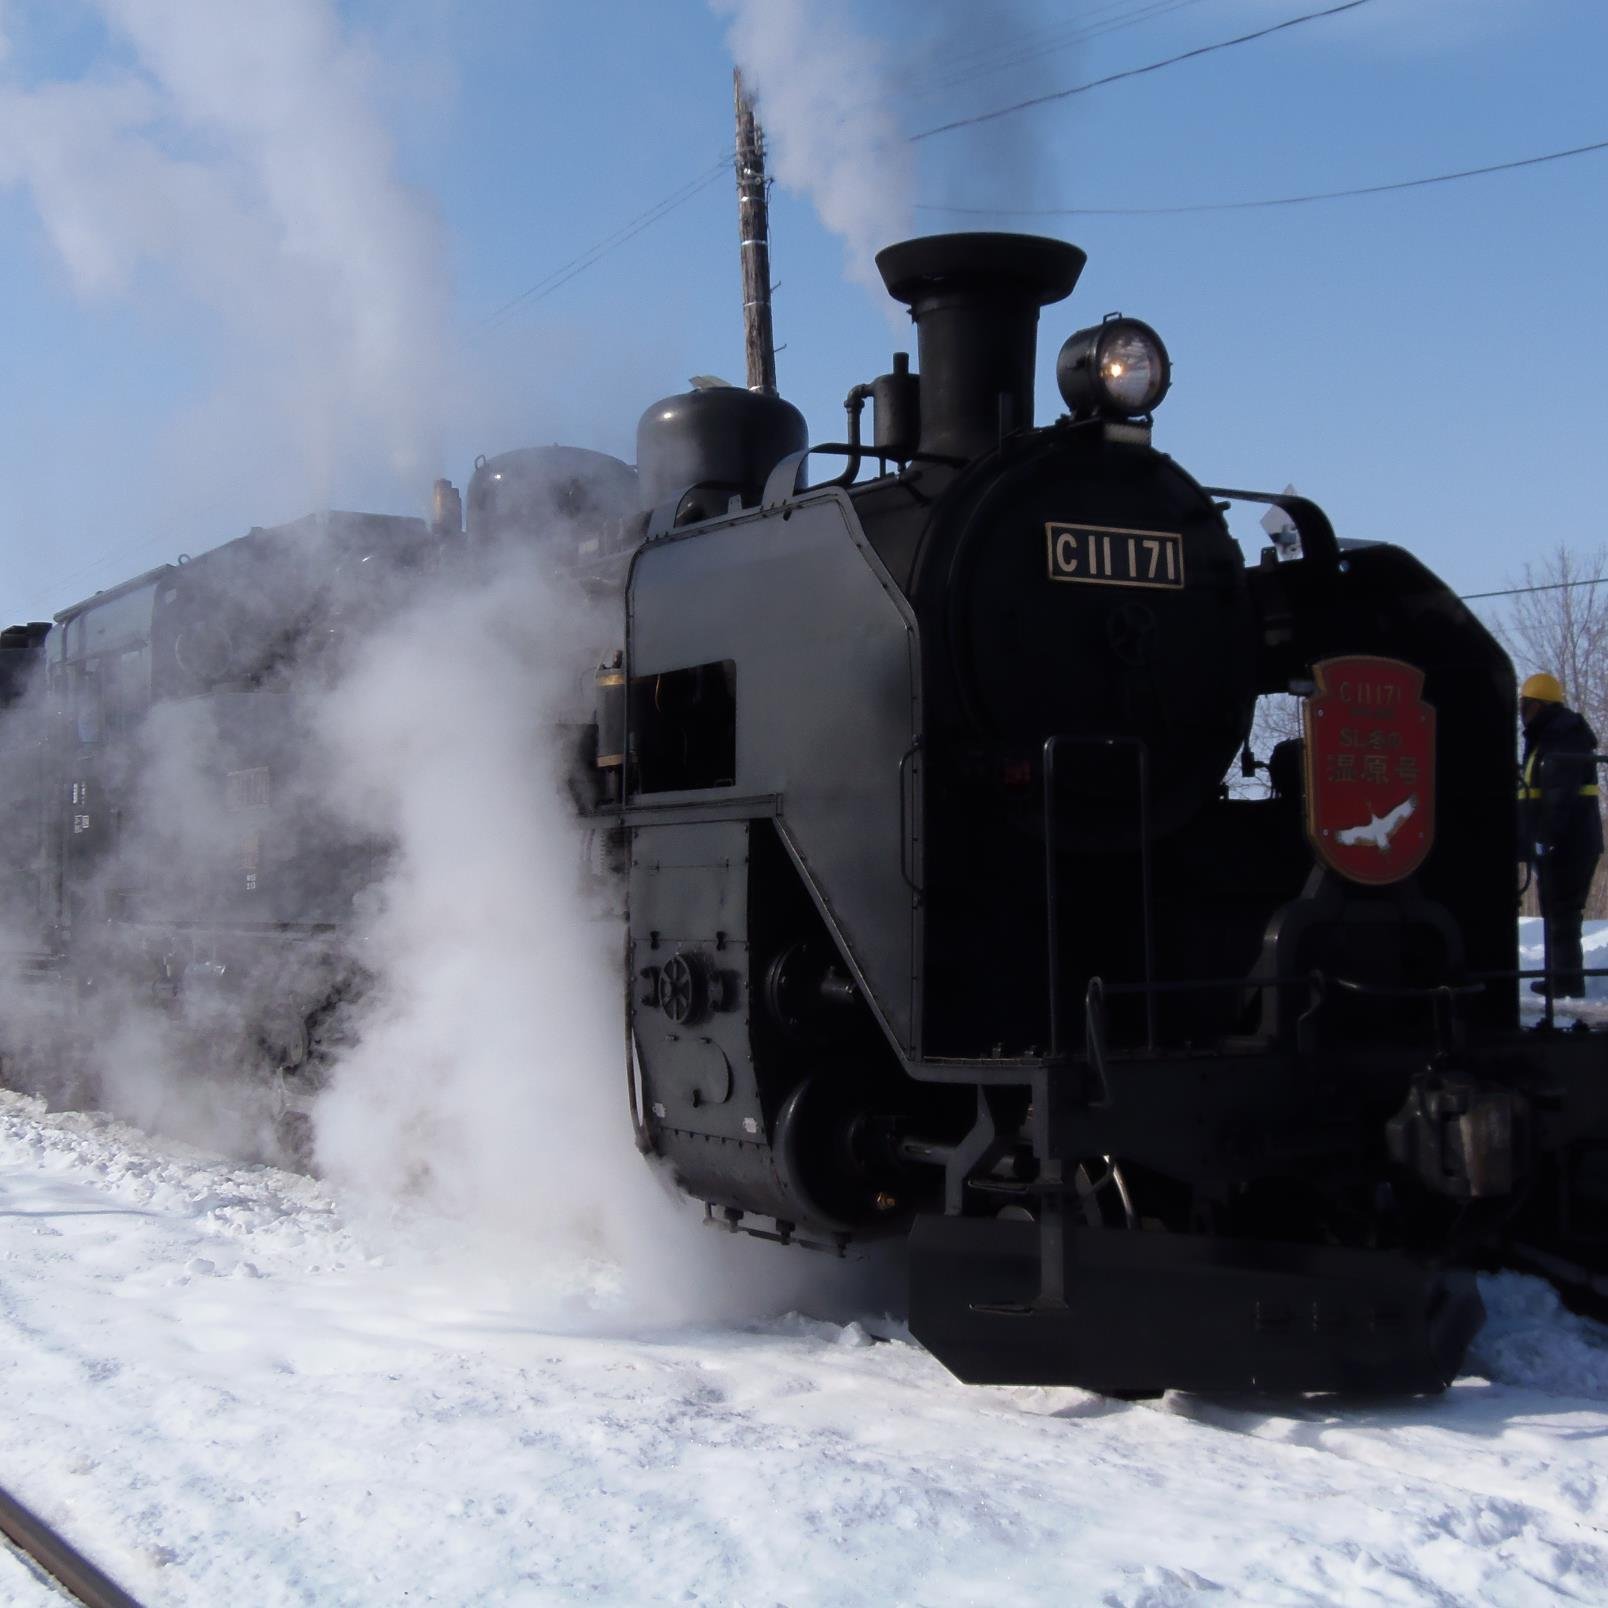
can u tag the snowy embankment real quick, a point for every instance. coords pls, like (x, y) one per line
(228, 1386)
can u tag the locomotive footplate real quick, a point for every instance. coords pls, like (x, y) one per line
(1140, 1312)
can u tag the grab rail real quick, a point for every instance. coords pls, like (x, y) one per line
(1052, 879)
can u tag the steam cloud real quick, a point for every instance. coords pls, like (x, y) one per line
(821, 85)
(488, 1080)
(839, 103)
(248, 159)
(483, 1070)
(492, 1041)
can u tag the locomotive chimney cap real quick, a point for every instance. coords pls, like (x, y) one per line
(975, 300)
(1044, 269)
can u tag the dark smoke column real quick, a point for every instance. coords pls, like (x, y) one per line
(753, 230)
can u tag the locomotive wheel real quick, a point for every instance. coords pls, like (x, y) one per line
(819, 1164)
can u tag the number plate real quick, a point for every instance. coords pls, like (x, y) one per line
(1108, 556)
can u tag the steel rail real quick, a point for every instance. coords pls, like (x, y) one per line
(57, 1556)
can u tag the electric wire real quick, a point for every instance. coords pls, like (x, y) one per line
(1025, 47)
(1519, 591)
(1051, 37)
(1136, 72)
(567, 271)
(1033, 45)
(551, 280)
(153, 539)
(628, 234)
(578, 264)
(1272, 201)
(561, 275)
(542, 288)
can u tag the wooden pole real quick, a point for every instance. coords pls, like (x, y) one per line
(753, 231)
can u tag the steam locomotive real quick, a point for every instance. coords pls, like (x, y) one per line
(940, 921)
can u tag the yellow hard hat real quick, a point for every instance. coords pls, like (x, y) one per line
(1543, 688)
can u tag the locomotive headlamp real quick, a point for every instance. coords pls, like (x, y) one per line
(1118, 368)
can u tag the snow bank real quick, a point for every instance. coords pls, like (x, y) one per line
(229, 1388)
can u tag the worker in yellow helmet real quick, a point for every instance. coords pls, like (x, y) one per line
(1560, 822)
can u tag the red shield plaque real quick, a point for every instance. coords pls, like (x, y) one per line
(1370, 768)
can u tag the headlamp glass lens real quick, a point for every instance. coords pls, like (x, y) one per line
(1130, 369)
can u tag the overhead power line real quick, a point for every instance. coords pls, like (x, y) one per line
(1551, 586)
(543, 287)
(1272, 201)
(1033, 45)
(1137, 72)
(565, 272)
(1004, 54)
(561, 275)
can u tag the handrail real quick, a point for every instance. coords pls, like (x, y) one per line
(1442, 998)
(1052, 878)
(1319, 545)
(1385, 991)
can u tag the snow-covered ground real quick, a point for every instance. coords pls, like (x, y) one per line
(230, 1385)
(1594, 1007)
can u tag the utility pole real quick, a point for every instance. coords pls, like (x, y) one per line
(753, 230)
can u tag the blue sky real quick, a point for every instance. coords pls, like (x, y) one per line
(254, 257)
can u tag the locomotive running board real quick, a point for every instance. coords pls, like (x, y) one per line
(1145, 1312)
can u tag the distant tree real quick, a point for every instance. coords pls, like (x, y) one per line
(1557, 620)
(1277, 719)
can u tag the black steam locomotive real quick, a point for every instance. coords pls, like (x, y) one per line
(941, 921)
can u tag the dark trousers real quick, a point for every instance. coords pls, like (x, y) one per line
(1563, 888)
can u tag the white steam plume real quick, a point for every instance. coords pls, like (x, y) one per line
(821, 85)
(476, 1092)
(487, 1079)
(245, 156)
(839, 104)
(487, 1084)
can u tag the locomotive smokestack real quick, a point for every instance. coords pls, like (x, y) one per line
(975, 299)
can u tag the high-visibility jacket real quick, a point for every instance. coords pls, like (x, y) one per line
(1560, 811)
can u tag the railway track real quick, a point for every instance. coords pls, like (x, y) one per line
(59, 1558)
